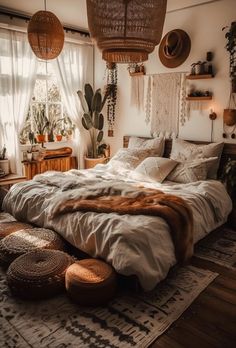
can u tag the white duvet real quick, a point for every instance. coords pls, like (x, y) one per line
(134, 244)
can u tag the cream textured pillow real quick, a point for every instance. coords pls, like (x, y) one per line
(155, 168)
(190, 171)
(157, 144)
(184, 151)
(130, 158)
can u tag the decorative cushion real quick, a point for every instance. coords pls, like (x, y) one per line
(7, 228)
(183, 151)
(6, 217)
(156, 144)
(91, 282)
(38, 274)
(130, 158)
(190, 171)
(154, 169)
(26, 240)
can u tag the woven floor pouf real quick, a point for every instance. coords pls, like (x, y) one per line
(38, 274)
(27, 240)
(9, 227)
(91, 282)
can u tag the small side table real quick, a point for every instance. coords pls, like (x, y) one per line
(6, 182)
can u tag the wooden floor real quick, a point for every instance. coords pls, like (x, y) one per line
(211, 320)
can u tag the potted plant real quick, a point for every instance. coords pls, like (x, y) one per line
(4, 162)
(41, 123)
(231, 48)
(228, 177)
(93, 121)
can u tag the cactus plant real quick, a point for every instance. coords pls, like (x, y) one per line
(93, 120)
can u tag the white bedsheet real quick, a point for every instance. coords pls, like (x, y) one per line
(134, 244)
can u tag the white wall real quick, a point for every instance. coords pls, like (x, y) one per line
(203, 24)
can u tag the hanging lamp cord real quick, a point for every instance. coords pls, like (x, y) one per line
(45, 5)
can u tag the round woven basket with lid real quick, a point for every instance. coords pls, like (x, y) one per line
(91, 282)
(7, 228)
(38, 274)
(27, 240)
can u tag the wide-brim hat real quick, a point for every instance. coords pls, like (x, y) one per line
(174, 48)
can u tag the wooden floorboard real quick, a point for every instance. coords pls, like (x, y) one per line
(210, 322)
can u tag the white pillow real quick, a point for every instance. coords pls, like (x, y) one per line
(129, 158)
(157, 144)
(190, 171)
(183, 151)
(154, 169)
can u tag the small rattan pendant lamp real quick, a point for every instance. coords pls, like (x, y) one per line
(126, 31)
(45, 34)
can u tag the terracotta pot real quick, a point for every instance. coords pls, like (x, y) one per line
(229, 117)
(91, 162)
(40, 138)
(59, 137)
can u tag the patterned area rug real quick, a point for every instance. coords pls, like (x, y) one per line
(131, 320)
(219, 247)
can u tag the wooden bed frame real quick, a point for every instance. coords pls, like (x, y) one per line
(229, 150)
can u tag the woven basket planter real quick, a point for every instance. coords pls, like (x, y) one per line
(126, 30)
(24, 241)
(45, 35)
(38, 274)
(91, 282)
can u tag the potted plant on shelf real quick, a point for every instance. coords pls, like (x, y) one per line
(41, 124)
(4, 162)
(93, 121)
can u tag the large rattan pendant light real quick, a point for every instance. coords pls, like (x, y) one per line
(45, 34)
(126, 31)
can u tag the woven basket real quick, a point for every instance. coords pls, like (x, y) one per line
(38, 274)
(45, 35)
(7, 228)
(126, 30)
(91, 282)
(24, 241)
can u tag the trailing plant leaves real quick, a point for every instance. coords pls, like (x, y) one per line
(83, 102)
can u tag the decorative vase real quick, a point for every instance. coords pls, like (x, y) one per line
(229, 117)
(58, 137)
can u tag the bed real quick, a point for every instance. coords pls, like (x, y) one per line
(135, 245)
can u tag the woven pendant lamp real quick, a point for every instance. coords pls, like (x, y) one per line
(45, 35)
(126, 31)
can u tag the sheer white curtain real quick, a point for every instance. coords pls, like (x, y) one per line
(18, 67)
(74, 68)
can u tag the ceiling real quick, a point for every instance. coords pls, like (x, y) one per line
(73, 12)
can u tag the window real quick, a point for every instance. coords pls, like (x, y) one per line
(47, 116)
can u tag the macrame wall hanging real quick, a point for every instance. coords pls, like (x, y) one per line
(166, 103)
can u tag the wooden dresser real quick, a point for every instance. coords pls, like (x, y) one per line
(31, 168)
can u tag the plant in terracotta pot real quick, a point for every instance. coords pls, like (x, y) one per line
(41, 123)
(93, 121)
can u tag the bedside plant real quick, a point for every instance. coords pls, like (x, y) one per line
(228, 177)
(93, 120)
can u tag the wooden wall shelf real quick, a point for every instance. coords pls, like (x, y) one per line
(137, 74)
(31, 168)
(199, 98)
(199, 77)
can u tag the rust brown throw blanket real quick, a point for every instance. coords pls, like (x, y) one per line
(174, 210)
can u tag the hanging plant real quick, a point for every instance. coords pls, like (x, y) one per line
(231, 48)
(111, 91)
